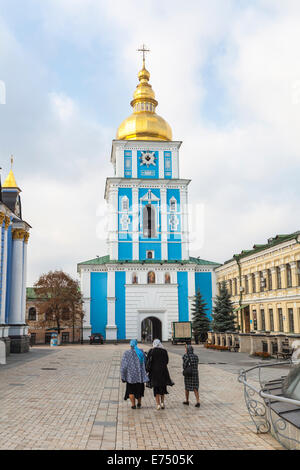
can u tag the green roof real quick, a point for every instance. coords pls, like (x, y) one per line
(271, 242)
(30, 294)
(101, 260)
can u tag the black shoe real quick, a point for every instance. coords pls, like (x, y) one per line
(185, 403)
(197, 405)
(139, 405)
(133, 407)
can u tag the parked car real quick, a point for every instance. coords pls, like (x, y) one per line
(96, 338)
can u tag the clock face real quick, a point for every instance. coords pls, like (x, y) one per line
(148, 158)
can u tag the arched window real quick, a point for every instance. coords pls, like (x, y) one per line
(32, 314)
(134, 278)
(149, 230)
(167, 278)
(151, 277)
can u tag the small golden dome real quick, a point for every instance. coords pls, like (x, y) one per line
(10, 181)
(144, 123)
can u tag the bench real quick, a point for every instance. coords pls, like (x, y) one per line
(285, 353)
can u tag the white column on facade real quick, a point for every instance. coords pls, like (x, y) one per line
(111, 329)
(26, 238)
(191, 291)
(184, 223)
(120, 162)
(134, 164)
(4, 271)
(15, 314)
(161, 164)
(175, 164)
(135, 223)
(85, 278)
(164, 224)
(113, 223)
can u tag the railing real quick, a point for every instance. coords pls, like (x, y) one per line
(261, 412)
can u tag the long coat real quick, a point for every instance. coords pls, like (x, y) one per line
(157, 360)
(191, 383)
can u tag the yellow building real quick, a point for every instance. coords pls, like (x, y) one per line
(265, 286)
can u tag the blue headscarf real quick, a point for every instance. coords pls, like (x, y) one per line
(139, 352)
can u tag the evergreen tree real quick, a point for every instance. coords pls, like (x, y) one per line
(200, 320)
(223, 316)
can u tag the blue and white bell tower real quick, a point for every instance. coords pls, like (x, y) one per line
(148, 276)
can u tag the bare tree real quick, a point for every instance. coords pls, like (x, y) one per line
(60, 300)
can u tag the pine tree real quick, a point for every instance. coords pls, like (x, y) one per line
(223, 316)
(200, 320)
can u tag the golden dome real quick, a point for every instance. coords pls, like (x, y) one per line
(10, 181)
(144, 123)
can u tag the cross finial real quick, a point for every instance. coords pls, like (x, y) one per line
(144, 50)
(11, 161)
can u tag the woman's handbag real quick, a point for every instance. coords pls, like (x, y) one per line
(188, 370)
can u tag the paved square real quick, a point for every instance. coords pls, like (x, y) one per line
(71, 397)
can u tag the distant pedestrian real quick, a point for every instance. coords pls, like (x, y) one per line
(157, 360)
(144, 336)
(133, 372)
(191, 381)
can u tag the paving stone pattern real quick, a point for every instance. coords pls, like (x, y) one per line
(73, 399)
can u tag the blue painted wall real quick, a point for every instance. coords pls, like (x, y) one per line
(99, 302)
(183, 302)
(120, 281)
(148, 246)
(174, 251)
(203, 282)
(144, 171)
(125, 251)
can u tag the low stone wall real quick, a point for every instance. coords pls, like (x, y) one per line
(252, 343)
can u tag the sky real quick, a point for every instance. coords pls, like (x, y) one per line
(227, 79)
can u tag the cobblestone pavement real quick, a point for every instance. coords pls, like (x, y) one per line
(72, 398)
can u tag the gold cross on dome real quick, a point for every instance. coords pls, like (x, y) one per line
(144, 50)
(11, 161)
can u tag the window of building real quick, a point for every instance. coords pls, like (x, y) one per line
(65, 337)
(167, 278)
(246, 285)
(134, 278)
(291, 320)
(254, 320)
(288, 275)
(270, 287)
(262, 281)
(32, 314)
(263, 321)
(271, 319)
(173, 204)
(253, 283)
(280, 317)
(151, 277)
(278, 276)
(150, 254)
(125, 204)
(149, 230)
(298, 273)
(66, 315)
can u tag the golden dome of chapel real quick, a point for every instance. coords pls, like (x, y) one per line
(144, 123)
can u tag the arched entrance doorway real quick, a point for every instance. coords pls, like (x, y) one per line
(152, 329)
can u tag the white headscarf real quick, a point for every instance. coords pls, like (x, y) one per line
(157, 343)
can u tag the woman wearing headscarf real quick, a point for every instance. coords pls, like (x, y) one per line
(157, 360)
(191, 381)
(133, 372)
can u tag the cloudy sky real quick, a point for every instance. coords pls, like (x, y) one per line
(227, 78)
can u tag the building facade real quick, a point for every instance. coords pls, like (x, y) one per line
(40, 328)
(265, 286)
(13, 267)
(148, 274)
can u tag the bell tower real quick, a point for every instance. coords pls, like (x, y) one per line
(147, 199)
